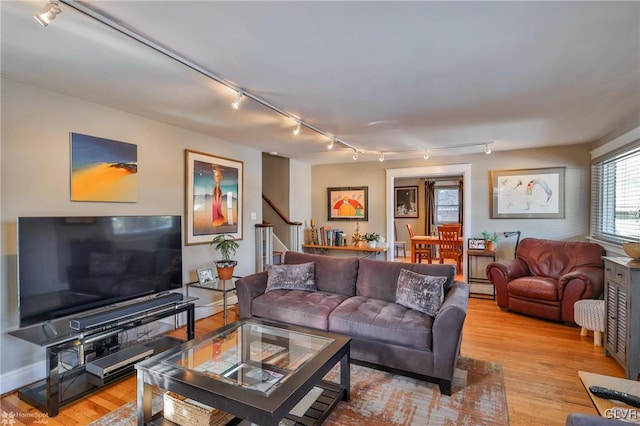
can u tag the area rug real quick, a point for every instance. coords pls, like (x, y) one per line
(381, 398)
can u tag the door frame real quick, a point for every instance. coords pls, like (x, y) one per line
(463, 170)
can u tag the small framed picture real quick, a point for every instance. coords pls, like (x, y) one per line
(476, 244)
(206, 275)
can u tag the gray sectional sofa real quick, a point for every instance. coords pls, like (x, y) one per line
(356, 297)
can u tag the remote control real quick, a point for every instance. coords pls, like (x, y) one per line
(606, 393)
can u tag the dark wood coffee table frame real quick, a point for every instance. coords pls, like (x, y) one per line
(244, 403)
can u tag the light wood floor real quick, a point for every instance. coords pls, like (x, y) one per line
(540, 361)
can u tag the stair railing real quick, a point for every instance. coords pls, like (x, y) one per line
(264, 246)
(291, 231)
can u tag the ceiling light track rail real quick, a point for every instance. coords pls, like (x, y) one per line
(118, 26)
(52, 9)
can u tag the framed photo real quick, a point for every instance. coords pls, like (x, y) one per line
(206, 275)
(348, 203)
(527, 193)
(477, 244)
(406, 202)
(213, 197)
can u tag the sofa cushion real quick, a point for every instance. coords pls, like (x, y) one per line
(377, 319)
(377, 278)
(333, 274)
(291, 277)
(422, 292)
(304, 308)
(541, 288)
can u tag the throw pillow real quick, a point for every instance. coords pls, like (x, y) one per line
(424, 293)
(108, 264)
(292, 277)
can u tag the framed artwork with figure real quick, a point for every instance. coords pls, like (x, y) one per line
(527, 193)
(348, 203)
(213, 197)
(406, 202)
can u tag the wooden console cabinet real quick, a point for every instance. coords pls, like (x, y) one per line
(65, 384)
(622, 313)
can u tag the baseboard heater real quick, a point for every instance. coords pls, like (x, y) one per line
(94, 320)
(106, 365)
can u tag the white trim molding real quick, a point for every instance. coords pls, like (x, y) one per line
(430, 171)
(620, 141)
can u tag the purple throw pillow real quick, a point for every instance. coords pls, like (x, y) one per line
(424, 293)
(292, 277)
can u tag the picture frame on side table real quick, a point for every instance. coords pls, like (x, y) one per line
(348, 203)
(477, 244)
(406, 202)
(527, 193)
(206, 276)
(213, 197)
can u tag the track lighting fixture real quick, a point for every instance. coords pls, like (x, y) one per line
(236, 103)
(49, 13)
(52, 9)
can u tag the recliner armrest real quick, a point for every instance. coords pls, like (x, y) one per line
(503, 271)
(509, 269)
(247, 289)
(592, 277)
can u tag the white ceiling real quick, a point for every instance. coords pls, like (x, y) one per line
(393, 77)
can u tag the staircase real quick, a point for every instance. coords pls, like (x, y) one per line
(269, 247)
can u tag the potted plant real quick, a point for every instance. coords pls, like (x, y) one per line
(227, 246)
(372, 239)
(491, 240)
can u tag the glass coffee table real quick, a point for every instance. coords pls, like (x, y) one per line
(253, 369)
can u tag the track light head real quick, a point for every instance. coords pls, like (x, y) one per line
(487, 149)
(49, 13)
(381, 158)
(296, 131)
(426, 155)
(332, 142)
(355, 155)
(236, 103)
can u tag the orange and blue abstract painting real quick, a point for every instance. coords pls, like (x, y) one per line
(103, 170)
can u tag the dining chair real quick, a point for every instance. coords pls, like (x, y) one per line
(399, 244)
(449, 246)
(422, 251)
(454, 226)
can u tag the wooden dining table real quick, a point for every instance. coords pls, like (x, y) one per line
(431, 240)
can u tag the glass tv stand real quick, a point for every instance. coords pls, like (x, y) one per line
(67, 383)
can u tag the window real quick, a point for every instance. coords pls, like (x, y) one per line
(615, 197)
(447, 204)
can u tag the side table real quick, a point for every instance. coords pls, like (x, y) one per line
(481, 282)
(221, 286)
(609, 408)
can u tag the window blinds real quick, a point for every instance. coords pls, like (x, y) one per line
(615, 197)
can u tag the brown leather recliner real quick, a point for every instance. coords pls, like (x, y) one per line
(547, 277)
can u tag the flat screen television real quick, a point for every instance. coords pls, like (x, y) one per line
(68, 265)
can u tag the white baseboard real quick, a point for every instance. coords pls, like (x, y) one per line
(16, 379)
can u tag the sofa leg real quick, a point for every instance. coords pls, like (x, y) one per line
(445, 387)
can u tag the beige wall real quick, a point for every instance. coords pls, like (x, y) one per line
(575, 225)
(35, 182)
